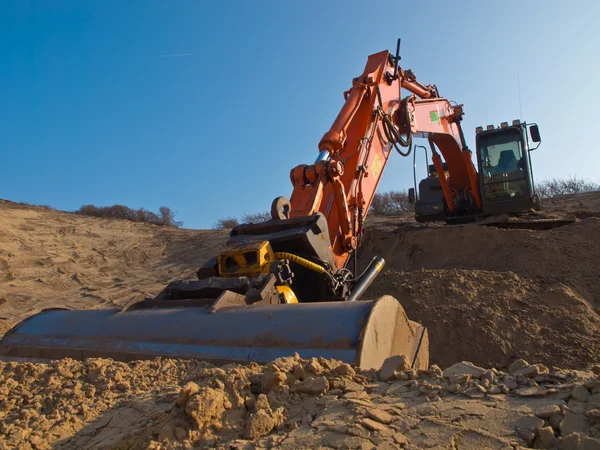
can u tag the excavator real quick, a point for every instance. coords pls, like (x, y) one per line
(503, 184)
(291, 284)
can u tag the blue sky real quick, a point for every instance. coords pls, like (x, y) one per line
(206, 106)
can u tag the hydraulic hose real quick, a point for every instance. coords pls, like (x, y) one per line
(300, 261)
(391, 132)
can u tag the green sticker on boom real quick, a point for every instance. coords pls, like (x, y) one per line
(434, 116)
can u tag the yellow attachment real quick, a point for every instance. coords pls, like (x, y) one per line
(287, 294)
(248, 260)
(300, 261)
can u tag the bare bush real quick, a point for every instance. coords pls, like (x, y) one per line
(166, 216)
(231, 222)
(223, 224)
(388, 203)
(563, 186)
(257, 217)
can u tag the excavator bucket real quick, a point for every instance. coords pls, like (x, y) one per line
(362, 333)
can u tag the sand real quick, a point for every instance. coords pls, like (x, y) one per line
(487, 295)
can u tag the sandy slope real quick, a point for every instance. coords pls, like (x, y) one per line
(55, 259)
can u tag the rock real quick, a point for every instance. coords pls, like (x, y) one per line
(206, 407)
(593, 415)
(517, 365)
(527, 372)
(533, 392)
(573, 423)
(312, 386)
(589, 443)
(345, 370)
(461, 378)
(180, 433)
(186, 392)
(555, 420)
(490, 376)
(400, 438)
(373, 425)
(392, 365)
(434, 369)
(426, 410)
(259, 424)
(596, 369)
(358, 430)
(166, 433)
(545, 412)
(542, 369)
(300, 373)
(570, 442)
(495, 390)
(462, 368)
(580, 393)
(546, 435)
(379, 415)
(476, 392)
(510, 382)
(271, 380)
(527, 435)
(594, 401)
(576, 406)
(592, 383)
(314, 367)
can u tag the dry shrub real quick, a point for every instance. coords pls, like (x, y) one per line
(389, 203)
(563, 186)
(165, 216)
(229, 222)
(256, 217)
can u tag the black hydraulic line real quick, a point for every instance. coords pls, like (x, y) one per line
(396, 60)
(415, 166)
(418, 348)
(367, 277)
(389, 129)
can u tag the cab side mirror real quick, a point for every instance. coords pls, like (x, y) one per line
(411, 196)
(535, 133)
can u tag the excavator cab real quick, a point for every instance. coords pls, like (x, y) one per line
(505, 171)
(503, 180)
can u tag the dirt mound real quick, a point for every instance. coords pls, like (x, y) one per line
(491, 295)
(292, 403)
(493, 318)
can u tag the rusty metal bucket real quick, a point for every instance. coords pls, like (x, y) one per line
(362, 333)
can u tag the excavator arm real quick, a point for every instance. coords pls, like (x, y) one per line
(353, 154)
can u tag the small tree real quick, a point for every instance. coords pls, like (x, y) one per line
(227, 223)
(167, 217)
(256, 217)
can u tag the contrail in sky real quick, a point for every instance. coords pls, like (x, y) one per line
(171, 55)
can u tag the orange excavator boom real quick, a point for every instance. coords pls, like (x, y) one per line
(354, 152)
